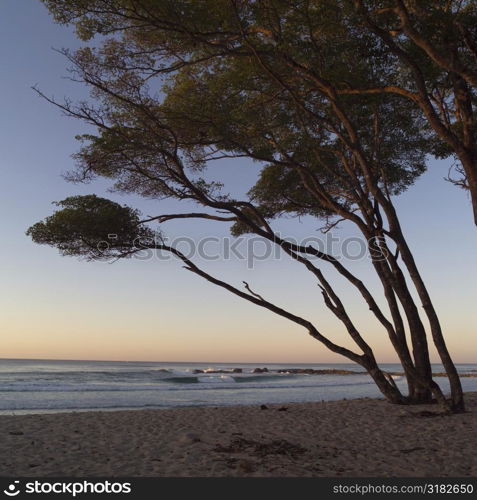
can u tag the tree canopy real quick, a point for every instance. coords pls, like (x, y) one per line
(93, 227)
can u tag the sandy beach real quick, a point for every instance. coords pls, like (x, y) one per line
(363, 437)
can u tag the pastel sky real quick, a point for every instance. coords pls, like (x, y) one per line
(63, 308)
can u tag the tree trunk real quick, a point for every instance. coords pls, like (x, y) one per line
(394, 282)
(389, 391)
(470, 169)
(420, 350)
(436, 330)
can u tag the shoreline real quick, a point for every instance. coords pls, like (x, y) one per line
(67, 411)
(349, 438)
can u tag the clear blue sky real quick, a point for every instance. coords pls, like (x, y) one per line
(57, 307)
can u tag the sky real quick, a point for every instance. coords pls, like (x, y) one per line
(152, 309)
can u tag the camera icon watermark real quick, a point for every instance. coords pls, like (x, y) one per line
(13, 489)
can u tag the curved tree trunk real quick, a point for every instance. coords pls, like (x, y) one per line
(470, 168)
(436, 330)
(395, 285)
(389, 391)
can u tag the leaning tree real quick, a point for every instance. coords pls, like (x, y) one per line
(178, 85)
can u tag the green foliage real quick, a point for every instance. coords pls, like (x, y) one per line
(177, 79)
(92, 227)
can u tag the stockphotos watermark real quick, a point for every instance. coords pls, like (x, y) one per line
(72, 488)
(253, 249)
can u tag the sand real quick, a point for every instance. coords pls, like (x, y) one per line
(349, 438)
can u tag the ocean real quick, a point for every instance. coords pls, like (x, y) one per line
(45, 386)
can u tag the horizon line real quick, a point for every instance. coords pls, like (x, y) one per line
(223, 362)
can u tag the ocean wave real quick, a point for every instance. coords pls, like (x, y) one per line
(182, 380)
(209, 379)
(221, 379)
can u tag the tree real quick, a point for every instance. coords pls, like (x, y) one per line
(432, 48)
(181, 84)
